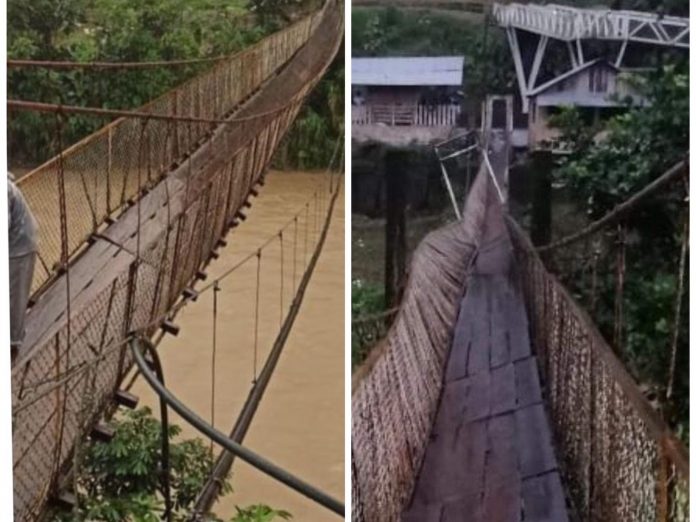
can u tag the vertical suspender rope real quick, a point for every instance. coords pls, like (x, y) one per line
(294, 259)
(678, 306)
(66, 267)
(306, 236)
(618, 300)
(280, 236)
(216, 290)
(256, 312)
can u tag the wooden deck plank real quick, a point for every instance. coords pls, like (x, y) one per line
(543, 499)
(502, 503)
(503, 396)
(501, 453)
(536, 447)
(479, 304)
(491, 458)
(423, 513)
(500, 347)
(470, 506)
(527, 382)
(453, 465)
(462, 401)
(459, 353)
(518, 327)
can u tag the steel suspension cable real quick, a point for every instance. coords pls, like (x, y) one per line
(156, 364)
(216, 290)
(280, 236)
(100, 65)
(671, 174)
(225, 460)
(256, 312)
(33, 106)
(252, 458)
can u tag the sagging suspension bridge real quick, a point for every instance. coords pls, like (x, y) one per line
(128, 220)
(493, 396)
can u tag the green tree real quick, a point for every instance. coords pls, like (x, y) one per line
(633, 149)
(121, 480)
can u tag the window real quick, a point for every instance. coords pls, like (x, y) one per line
(598, 79)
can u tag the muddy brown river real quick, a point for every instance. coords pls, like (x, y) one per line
(300, 422)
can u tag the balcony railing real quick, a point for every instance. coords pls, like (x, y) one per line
(407, 115)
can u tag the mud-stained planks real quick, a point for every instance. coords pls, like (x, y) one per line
(490, 457)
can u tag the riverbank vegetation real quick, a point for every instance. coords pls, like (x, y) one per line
(610, 163)
(121, 480)
(136, 31)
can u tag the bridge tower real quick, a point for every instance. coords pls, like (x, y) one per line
(574, 28)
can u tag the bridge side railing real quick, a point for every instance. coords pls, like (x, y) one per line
(619, 459)
(397, 388)
(107, 171)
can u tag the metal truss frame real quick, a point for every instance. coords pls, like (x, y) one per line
(573, 25)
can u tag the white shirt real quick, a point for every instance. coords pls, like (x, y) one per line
(22, 225)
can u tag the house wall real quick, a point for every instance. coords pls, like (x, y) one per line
(598, 86)
(393, 95)
(539, 129)
(400, 95)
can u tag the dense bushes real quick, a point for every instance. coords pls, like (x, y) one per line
(137, 30)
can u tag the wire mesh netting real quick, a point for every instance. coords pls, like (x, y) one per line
(621, 461)
(109, 169)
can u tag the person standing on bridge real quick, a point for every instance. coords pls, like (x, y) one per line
(22, 246)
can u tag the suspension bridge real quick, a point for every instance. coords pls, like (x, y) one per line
(129, 218)
(493, 396)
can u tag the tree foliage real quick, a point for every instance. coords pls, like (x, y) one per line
(142, 30)
(312, 139)
(631, 150)
(121, 481)
(390, 31)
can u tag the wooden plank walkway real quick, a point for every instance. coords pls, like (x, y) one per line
(490, 457)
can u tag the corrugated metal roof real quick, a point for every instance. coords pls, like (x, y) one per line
(439, 70)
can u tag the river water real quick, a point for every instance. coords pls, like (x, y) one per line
(300, 422)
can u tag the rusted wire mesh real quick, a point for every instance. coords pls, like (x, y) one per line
(396, 391)
(620, 460)
(369, 329)
(132, 276)
(110, 168)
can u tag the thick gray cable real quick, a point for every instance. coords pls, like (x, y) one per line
(223, 440)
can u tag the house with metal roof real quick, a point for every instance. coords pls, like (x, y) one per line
(407, 91)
